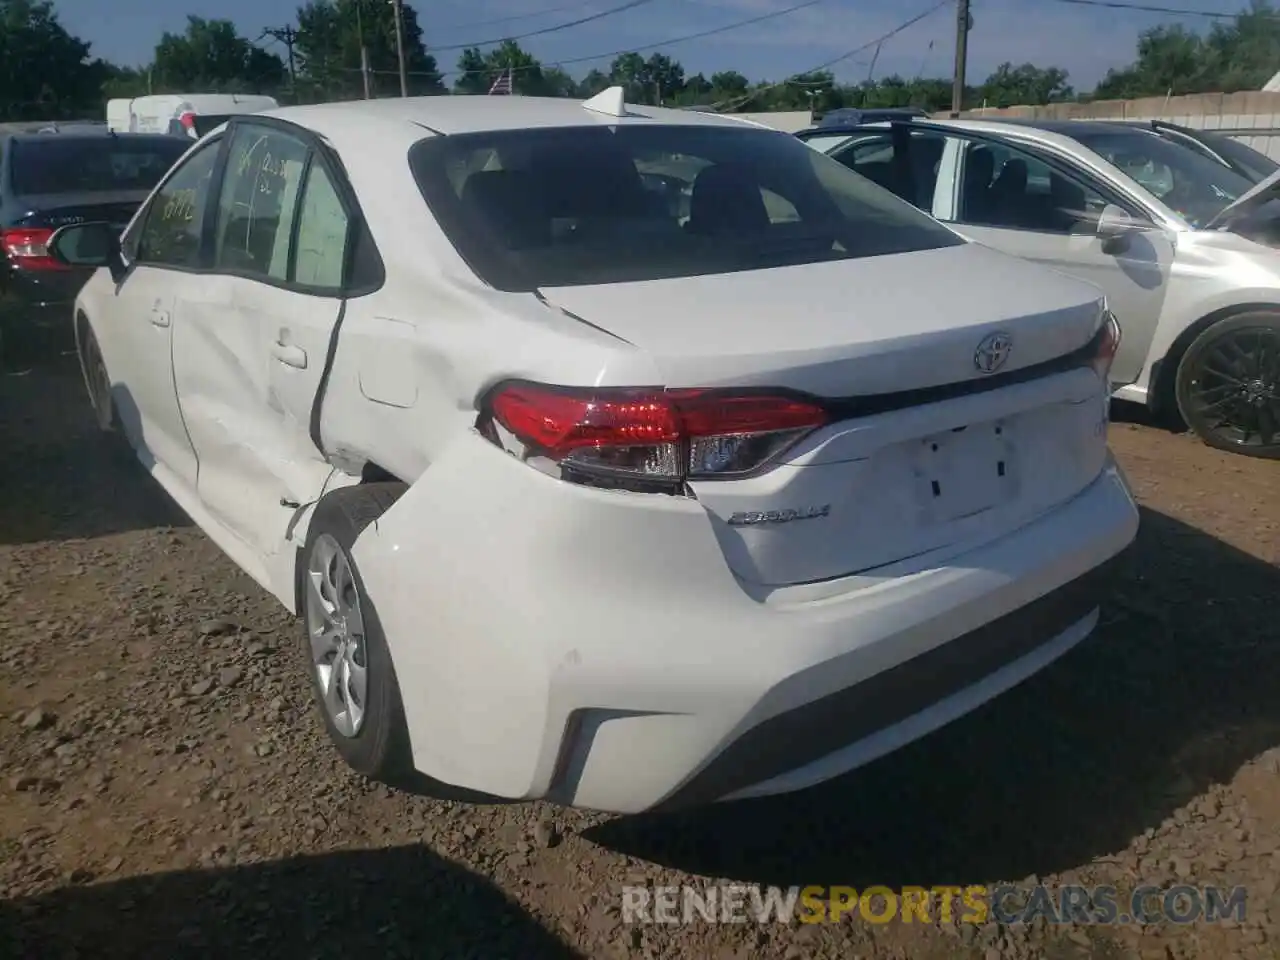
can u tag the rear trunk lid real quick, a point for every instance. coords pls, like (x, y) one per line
(60, 209)
(962, 399)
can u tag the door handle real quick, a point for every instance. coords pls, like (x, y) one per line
(289, 354)
(160, 318)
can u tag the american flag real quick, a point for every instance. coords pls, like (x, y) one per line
(502, 85)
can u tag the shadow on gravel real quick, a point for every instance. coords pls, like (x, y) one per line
(62, 478)
(1137, 413)
(396, 902)
(1176, 690)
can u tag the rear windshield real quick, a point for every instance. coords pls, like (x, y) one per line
(61, 163)
(585, 205)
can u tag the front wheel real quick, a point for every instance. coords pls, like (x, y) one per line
(1228, 385)
(345, 652)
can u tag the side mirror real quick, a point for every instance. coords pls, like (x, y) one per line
(1115, 227)
(93, 244)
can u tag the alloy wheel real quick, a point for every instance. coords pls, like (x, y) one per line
(335, 629)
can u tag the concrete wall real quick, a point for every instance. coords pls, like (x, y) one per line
(788, 121)
(1233, 113)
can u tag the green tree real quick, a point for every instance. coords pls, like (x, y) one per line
(328, 50)
(45, 72)
(477, 71)
(212, 56)
(1026, 84)
(1171, 59)
(658, 79)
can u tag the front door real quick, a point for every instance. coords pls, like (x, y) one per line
(1016, 202)
(160, 248)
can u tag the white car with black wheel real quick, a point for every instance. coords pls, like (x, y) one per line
(611, 455)
(1183, 246)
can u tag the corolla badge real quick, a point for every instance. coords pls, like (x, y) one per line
(749, 518)
(992, 352)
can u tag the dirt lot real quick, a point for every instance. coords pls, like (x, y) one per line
(165, 790)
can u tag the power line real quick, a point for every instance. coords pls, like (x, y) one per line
(648, 46)
(848, 54)
(629, 5)
(1149, 8)
(519, 16)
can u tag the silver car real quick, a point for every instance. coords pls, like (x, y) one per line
(1183, 247)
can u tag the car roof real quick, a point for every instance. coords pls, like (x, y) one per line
(479, 113)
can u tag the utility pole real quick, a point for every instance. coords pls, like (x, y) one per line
(398, 7)
(288, 36)
(364, 51)
(964, 23)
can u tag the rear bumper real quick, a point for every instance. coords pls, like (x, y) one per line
(594, 648)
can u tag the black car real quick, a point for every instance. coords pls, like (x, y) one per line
(1228, 151)
(51, 179)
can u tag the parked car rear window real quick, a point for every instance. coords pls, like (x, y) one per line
(61, 163)
(585, 205)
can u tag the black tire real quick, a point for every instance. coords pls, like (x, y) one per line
(96, 380)
(1228, 385)
(379, 750)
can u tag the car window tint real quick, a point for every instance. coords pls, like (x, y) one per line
(170, 233)
(582, 205)
(914, 180)
(1191, 184)
(1001, 186)
(256, 207)
(64, 163)
(322, 233)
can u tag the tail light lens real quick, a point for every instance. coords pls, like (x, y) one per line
(1108, 342)
(28, 247)
(188, 121)
(646, 437)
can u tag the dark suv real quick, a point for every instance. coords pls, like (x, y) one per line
(47, 180)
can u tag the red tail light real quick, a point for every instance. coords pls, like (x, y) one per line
(649, 434)
(28, 247)
(188, 121)
(1108, 343)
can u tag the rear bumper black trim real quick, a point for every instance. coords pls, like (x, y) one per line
(815, 730)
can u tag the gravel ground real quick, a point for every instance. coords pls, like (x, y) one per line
(165, 789)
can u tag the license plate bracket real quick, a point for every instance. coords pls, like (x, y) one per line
(965, 471)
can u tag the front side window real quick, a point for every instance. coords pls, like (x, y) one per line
(1002, 186)
(256, 207)
(171, 226)
(588, 205)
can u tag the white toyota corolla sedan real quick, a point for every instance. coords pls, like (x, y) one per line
(619, 456)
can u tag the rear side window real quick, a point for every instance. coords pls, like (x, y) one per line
(587, 205)
(61, 163)
(259, 195)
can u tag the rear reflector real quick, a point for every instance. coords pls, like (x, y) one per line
(651, 434)
(1108, 342)
(28, 247)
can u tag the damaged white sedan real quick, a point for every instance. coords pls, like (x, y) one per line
(619, 456)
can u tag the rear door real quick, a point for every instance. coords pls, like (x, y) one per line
(1015, 201)
(251, 348)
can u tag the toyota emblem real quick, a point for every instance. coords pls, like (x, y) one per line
(992, 352)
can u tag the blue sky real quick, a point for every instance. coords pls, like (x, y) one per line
(1084, 40)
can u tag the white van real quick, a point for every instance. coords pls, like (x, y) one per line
(184, 114)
